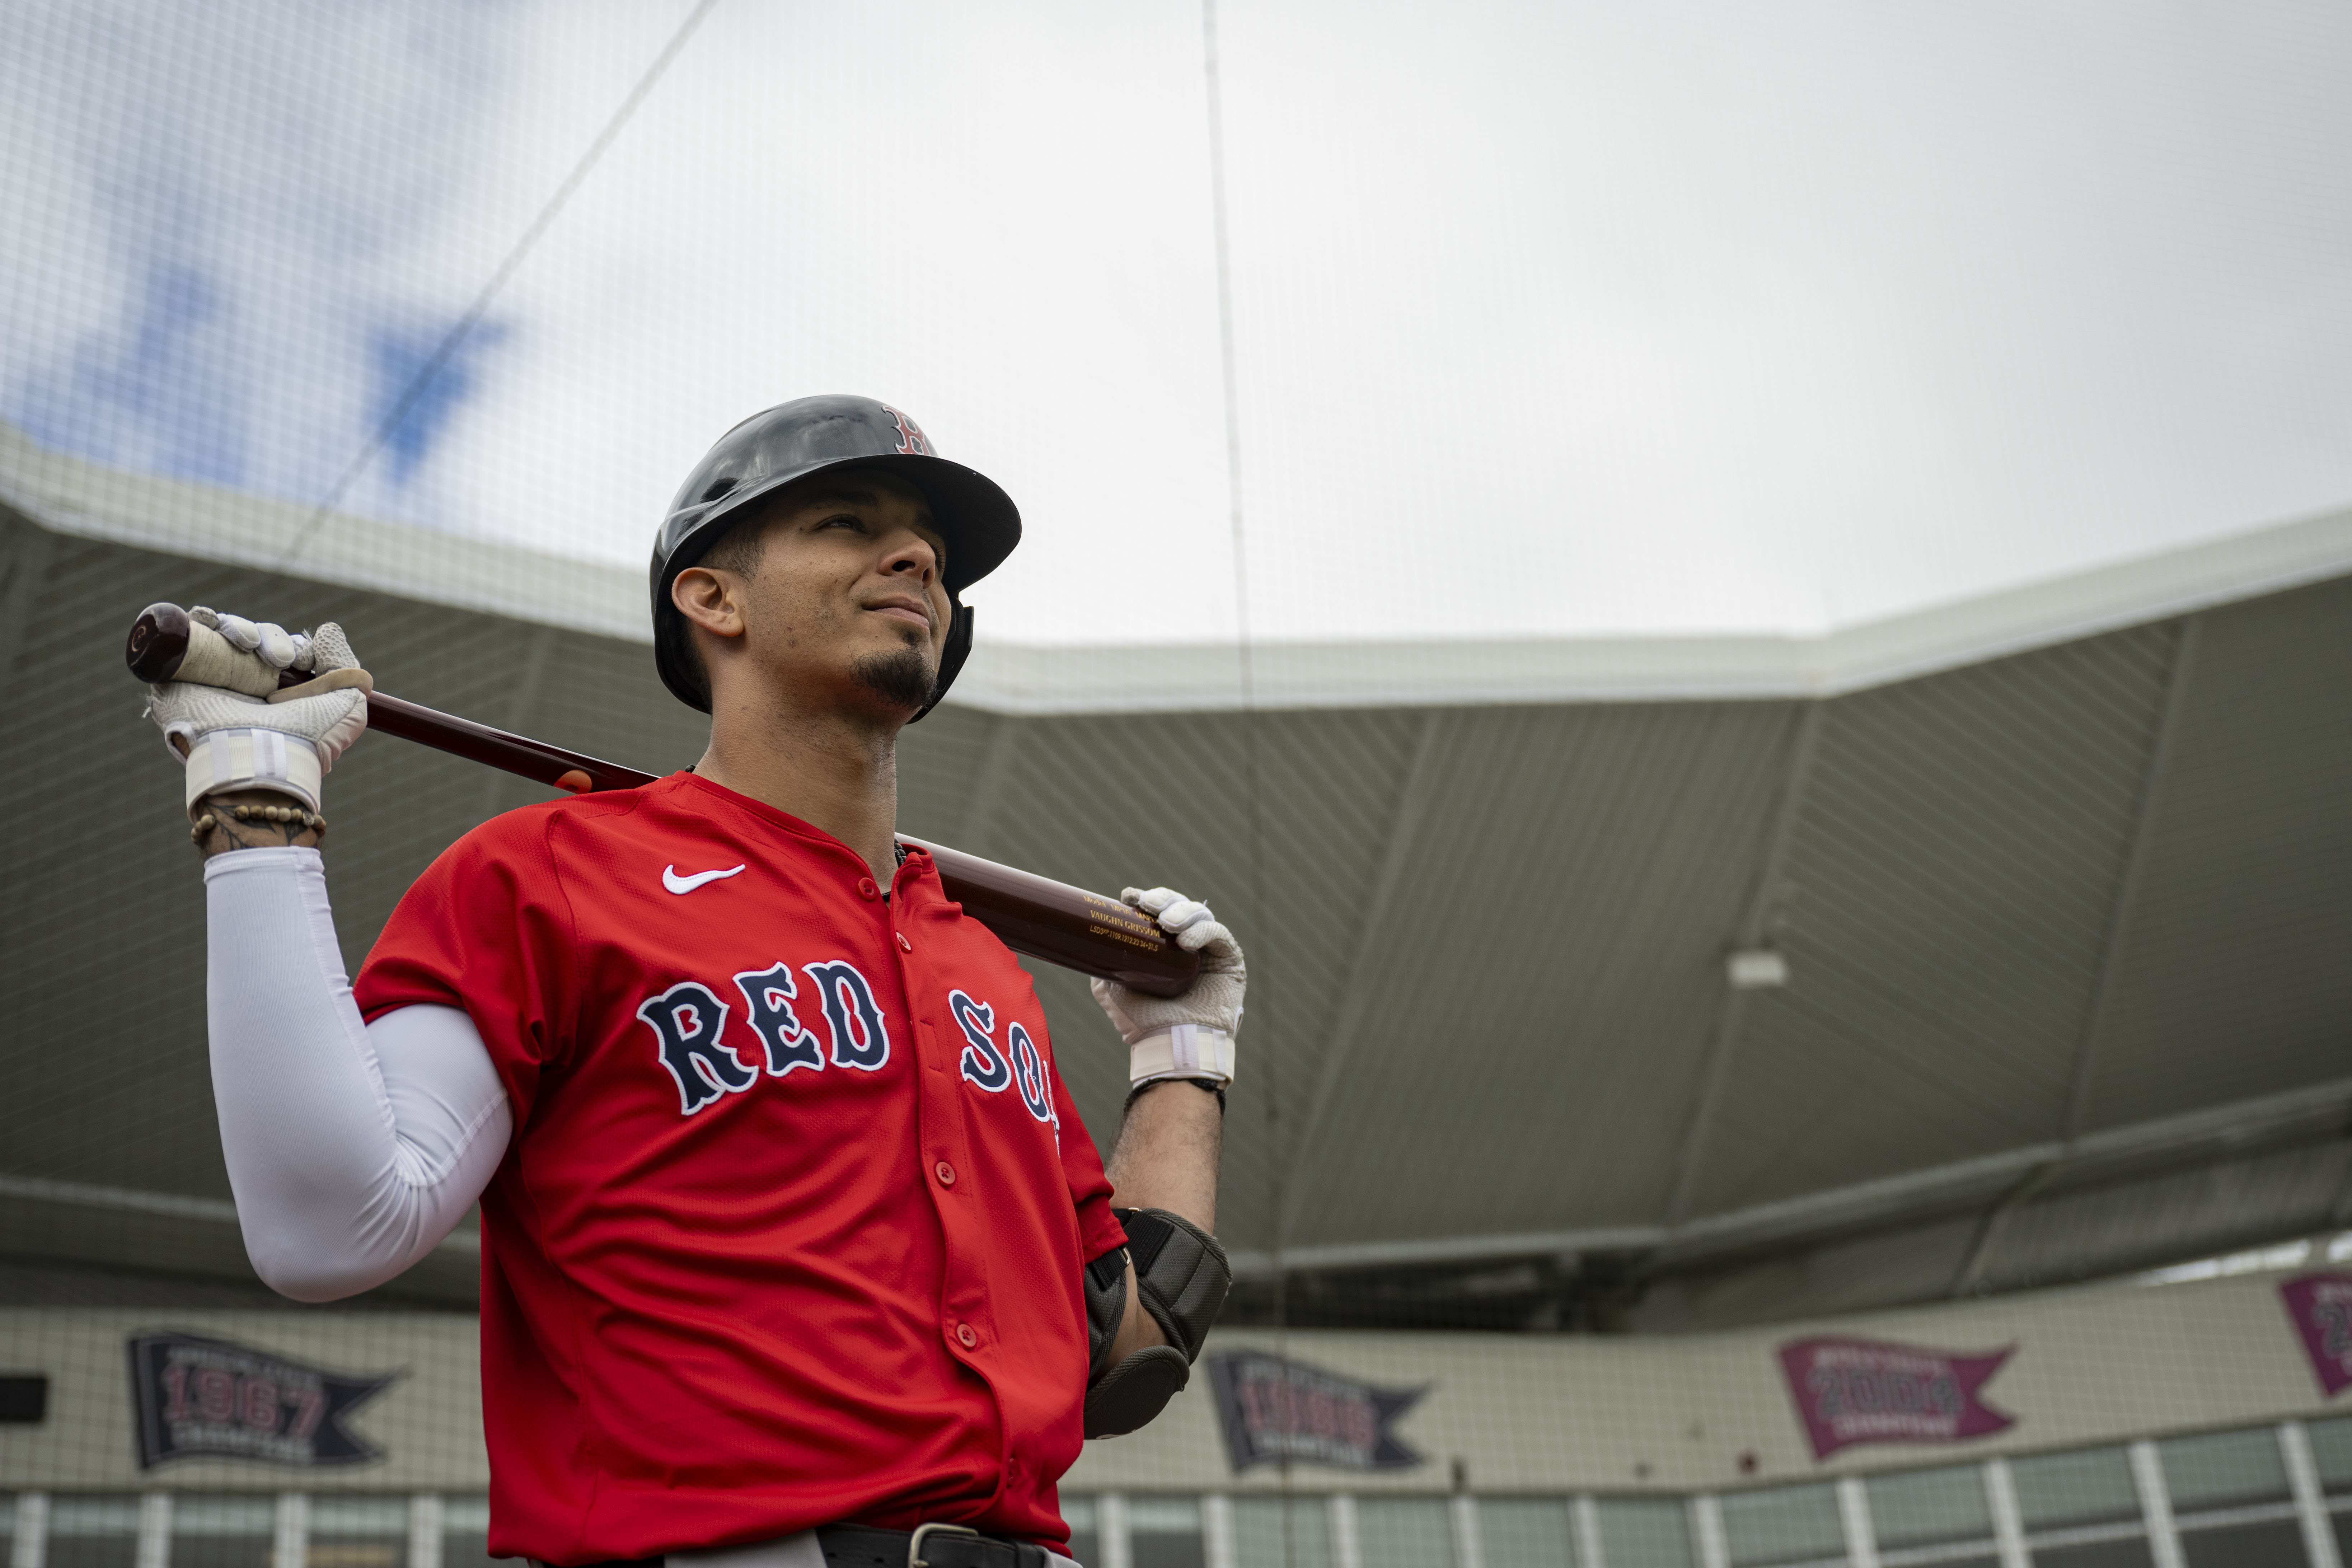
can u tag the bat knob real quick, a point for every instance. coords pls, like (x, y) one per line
(159, 641)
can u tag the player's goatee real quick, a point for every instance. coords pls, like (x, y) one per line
(901, 678)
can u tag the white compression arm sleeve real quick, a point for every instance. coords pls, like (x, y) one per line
(354, 1148)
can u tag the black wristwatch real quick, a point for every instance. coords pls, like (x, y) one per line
(1209, 1084)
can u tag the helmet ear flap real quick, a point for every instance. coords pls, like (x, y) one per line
(952, 657)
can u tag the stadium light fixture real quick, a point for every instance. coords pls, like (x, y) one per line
(1755, 969)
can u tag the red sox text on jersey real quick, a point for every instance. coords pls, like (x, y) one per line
(790, 1230)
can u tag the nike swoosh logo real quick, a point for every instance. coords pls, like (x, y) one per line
(678, 884)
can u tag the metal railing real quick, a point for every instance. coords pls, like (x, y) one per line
(2306, 1514)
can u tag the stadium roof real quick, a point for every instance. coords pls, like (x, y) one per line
(2062, 881)
(227, 526)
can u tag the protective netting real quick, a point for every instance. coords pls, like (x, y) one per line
(1785, 1028)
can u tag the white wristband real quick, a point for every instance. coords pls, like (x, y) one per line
(1183, 1051)
(254, 759)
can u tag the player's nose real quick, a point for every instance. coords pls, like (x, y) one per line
(911, 555)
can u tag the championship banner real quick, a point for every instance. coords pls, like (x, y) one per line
(1868, 1391)
(2321, 1306)
(194, 1398)
(1271, 1408)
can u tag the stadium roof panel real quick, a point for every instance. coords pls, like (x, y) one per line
(72, 496)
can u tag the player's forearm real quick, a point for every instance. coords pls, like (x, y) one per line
(1166, 1158)
(348, 1163)
(1167, 1151)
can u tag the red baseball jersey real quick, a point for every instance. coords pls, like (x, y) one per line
(791, 1225)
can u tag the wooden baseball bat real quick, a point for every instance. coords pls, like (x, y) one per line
(1030, 914)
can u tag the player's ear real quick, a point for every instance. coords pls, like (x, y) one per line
(711, 600)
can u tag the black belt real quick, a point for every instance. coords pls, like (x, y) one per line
(857, 1546)
(942, 1546)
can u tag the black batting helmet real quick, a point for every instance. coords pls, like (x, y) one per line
(808, 436)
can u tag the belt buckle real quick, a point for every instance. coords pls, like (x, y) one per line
(915, 1545)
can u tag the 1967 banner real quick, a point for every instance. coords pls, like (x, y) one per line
(1868, 1391)
(213, 1398)
(1273, 1408)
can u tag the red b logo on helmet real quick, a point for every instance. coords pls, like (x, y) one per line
(912, 440)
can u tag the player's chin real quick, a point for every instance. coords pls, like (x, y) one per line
(900, 678)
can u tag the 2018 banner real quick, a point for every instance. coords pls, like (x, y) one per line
(2321, 1306)
(1271, 1408)
(1868, 1391)
(193, 1396)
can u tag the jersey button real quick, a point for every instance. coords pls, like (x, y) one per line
(904, 946)
(867, 889)
(965, 1337)
(945, 1173)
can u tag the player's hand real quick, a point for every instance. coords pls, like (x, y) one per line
(1187, 1035)
(233, 740)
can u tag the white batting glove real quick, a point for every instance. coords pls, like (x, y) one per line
(237, 730)
(1191, 1035)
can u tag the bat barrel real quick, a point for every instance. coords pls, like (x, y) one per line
(1065, 926)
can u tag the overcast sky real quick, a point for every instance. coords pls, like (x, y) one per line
(1558, 320)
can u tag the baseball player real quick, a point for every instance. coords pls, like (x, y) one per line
(795, 1251)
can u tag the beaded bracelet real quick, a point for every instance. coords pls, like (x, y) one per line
(309, 820)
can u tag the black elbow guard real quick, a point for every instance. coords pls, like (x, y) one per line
(1182, 1277)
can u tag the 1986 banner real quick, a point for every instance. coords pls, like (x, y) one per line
(195, 1396)
(1868, 1391)
(2321, 1306)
